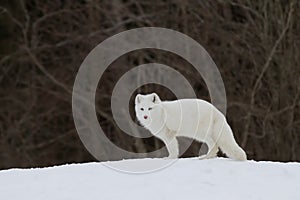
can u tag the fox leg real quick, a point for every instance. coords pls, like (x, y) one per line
(212, 149)
(170, 140)
(173, 148)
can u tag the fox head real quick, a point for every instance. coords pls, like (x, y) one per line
(147, 108)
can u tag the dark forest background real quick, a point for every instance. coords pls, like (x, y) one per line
(255, 44)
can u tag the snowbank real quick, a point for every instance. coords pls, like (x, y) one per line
(186, 179)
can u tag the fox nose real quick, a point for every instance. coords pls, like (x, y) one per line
(145, 117)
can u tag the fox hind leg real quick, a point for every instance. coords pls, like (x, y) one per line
(212, 149)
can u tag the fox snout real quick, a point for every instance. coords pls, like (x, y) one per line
(145, 117)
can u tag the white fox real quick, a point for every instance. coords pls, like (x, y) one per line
(192, 118)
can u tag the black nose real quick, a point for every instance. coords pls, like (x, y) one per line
(145, 117)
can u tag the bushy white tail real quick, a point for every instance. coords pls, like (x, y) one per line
(228, 145)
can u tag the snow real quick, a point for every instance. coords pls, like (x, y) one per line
(188, 178)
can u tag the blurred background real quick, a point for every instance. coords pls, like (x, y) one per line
(255, 44)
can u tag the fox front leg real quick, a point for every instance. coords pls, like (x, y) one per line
(173, 148)
(171, 143)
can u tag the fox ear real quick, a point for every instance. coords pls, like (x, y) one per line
(138, 99)
(155, 98)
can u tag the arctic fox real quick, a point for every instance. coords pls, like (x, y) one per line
(192, 118)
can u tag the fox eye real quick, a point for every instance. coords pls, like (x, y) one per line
(149, 108)
(142, 109)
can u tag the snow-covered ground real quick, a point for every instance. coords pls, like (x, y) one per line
(185, 179)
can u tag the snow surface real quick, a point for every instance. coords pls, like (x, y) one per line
(190, 178)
